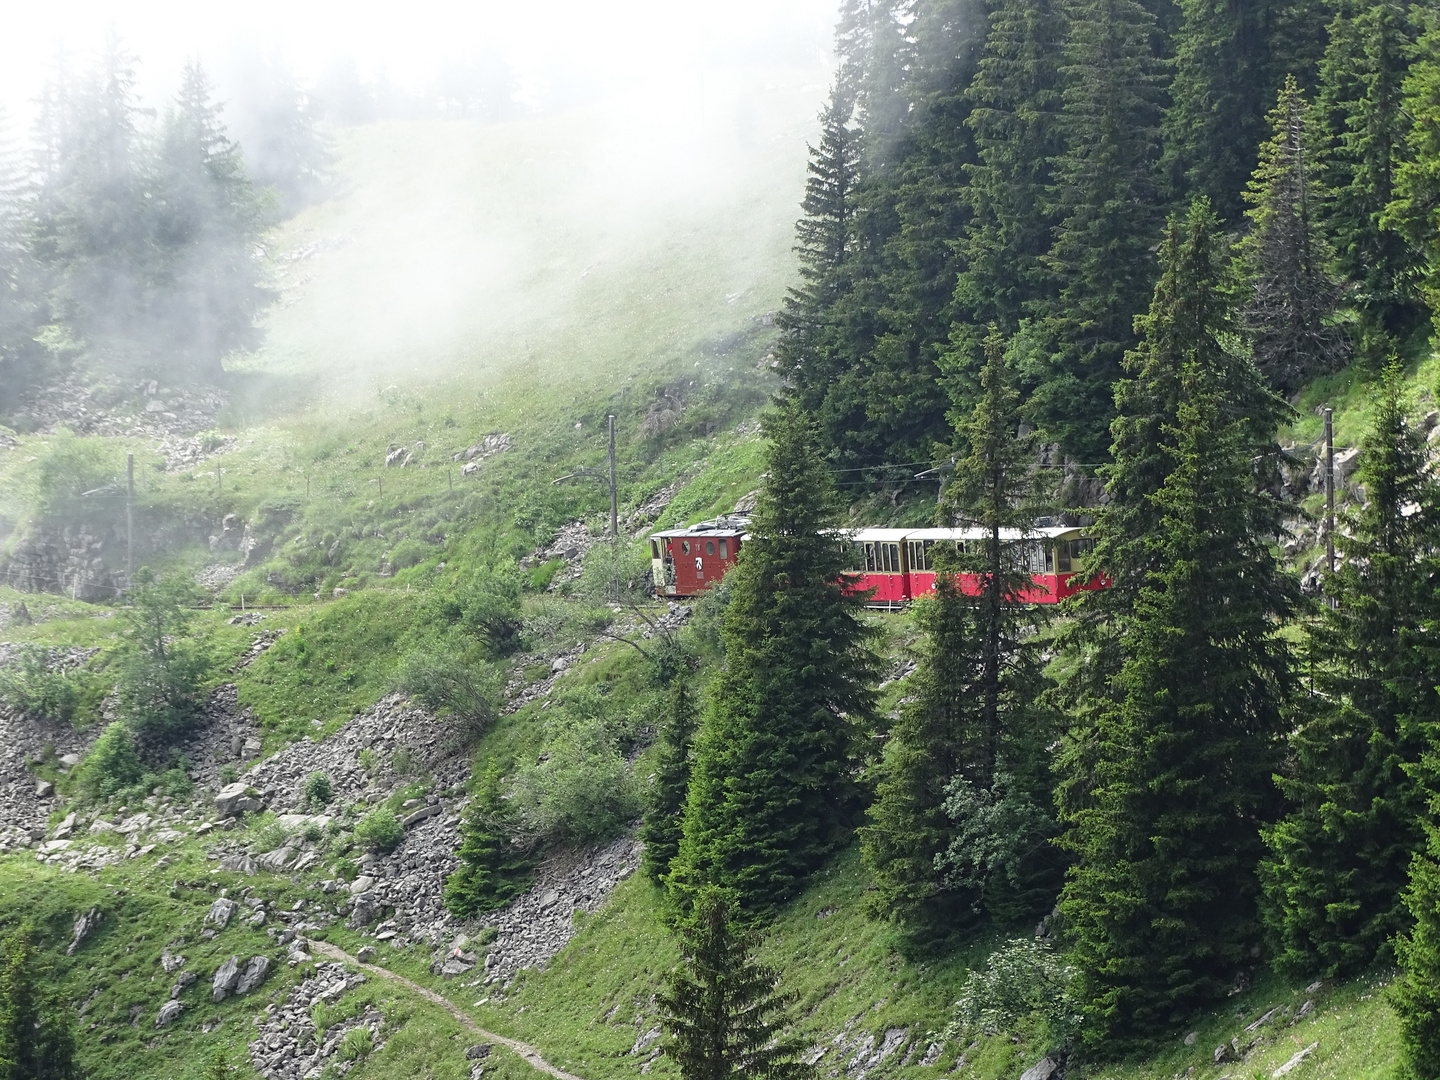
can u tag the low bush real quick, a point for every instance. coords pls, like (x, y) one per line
(583, 791)
(357, 1044)
(379, 830)
(112, 765)
(444, 679)
(229, 773)
(37, 686)
(408, 553)
(1023, 981)
(318, 790)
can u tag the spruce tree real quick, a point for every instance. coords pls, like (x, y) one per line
(1339, 859)
(771, 792)
(1415, 210)
(1106, 199)
(720, 1006)
(1016, 119)
(1290, 313)
(1415, 995)
(661, 829)
(492, 871)
(37, 1039)
(1359, 108)
(1169, 773)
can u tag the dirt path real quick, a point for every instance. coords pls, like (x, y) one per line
(528, 1053)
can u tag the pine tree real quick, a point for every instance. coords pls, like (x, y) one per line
(1359, 108)
(37, 1039)
(662, 827)
(1231, 60)
(721, 1008)
(1290, 314)
(1169, 775)
(1107, 202)
(771, 793)
(1415, 210)
(1415, 995)
(1016, 119)
(1339, 859)
(492, 870)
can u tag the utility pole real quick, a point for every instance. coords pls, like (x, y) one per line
(1329, 490)
(129, 516)
(614, 517)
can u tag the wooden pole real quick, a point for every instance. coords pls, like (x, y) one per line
(614, 517)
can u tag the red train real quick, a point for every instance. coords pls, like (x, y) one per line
(895, 564)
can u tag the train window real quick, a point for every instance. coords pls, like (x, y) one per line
(1049, 559)
(1062, 556)
(724, 550)
(892, 551)
(871, 564)
(709, 547)
(685, 547)
(654, 549)
(1032, 558)
(856, 557)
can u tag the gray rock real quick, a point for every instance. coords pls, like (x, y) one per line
(1295, 1061)
(220, 912)
(69, 761)
(1223, 1053)
(169, 962)
(185, 980)
(367, 954)
(1041, 1070)
(226, 979)
(362, 884)
(44, 789)
(237, 798)
(253, 975)
(169, 1013)
(237, 864)
(478, 1052)
(454, 966)
(83, 926)
(421, 814)
(276, 860)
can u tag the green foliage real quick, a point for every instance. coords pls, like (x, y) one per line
(771, 793)
(161, 666)
(720, 1007)
(401, 762)
(1415, 210)
(408, 553)
(1355, 791)
(229, 773)
(444, 678)
(663, 824)
(1415, 995)
(36, 684)
(358, 1044)
(1291, 314)
(1023, 980)
(66, 468)
(369, 761)
(492, 870)
(488, 604)
(318, 790)
(379, 830)
(37, 1037)
(582, 791)
(112, 765)
(1170, 771)
(267, 835)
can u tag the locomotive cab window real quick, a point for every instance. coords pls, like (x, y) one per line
(1062, 556)
(709, 547)
(654, 549)
(724, 550)
(685, 547)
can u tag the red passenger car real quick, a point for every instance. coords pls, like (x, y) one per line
(688, 560)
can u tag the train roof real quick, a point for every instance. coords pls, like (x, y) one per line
(1047, 532)
(734, 525)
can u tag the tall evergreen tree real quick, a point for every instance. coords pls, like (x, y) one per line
(37, 1040)
(23, 361)
(1170, 780)
(1290, 314)
(1415, 210)
(771, 793)
(720, 1006)
(663, 824)
(1107, 202)
(492, 871)
(1360, 111)
(1415, 995)
(1016, 119)
(1231, 59)
(1339, 859)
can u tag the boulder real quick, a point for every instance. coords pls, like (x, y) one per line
(367, 910)
(1223, 1053)
(1041, 1070)
(226, 979)
(220, 912)
(276, 860)
(83, 926)
(185, 980)
(478, 1052)
(170, 962)
(44, 789)
(421, 814)
(254, 974)
(169, 1013)
(362, 884)
(1295, 1062)
(238, 864)
(69, 761)
(237, 798)
(367, 954)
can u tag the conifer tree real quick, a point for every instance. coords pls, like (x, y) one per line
(1359, 108)
(720, 1006)
(1230, 61)
(37, 1040)
(1106, 199)
(1016, 120)
(1169, 776)
(492, 870)
(1339, 859)
(661, 829)
(1290, 314)
(1415, 995)
(1415, 210)
(771, 792)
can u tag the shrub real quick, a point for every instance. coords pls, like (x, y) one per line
(1023, 980)
(229, 773)
(583, 791)
(268, 837)
(441, 678)
(318, 790)
(401, 761)
(616, 574)
(369, 761)
(379, 830)
(112, 765)
(160, 667)
(34, 687)
(408, 553)
(489, 605)
(357, 1044)
(312, 832)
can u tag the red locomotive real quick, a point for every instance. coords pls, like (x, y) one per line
(894, 564)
